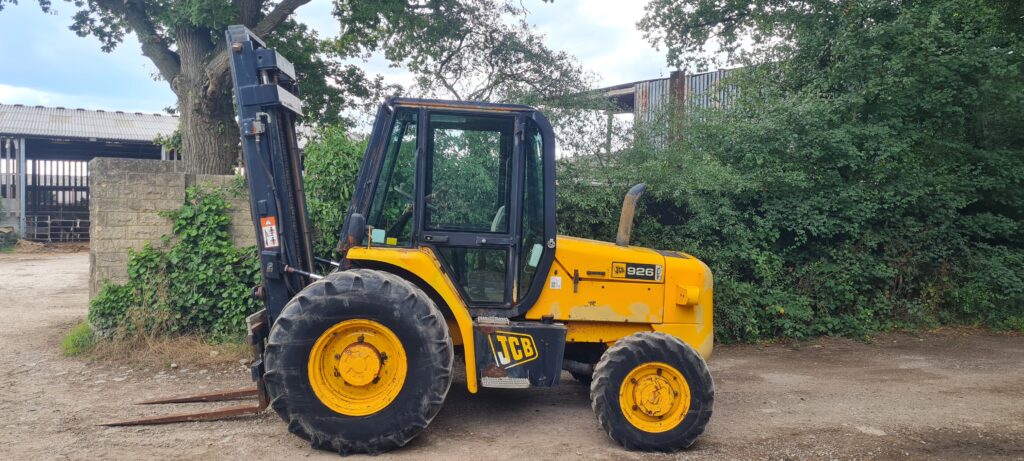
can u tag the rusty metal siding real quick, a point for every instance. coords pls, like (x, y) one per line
(651, 97)
(699, 90)
(703, 90)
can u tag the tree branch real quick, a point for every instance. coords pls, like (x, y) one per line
(217, 68)
(153, 45)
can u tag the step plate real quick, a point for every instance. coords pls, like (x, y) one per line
(505, 383)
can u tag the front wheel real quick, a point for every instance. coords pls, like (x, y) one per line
(652, 392)
(359, 362)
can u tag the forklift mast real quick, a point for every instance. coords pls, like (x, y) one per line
(266, 92)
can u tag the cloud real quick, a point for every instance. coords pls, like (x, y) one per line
(10, 94)
(603, 35)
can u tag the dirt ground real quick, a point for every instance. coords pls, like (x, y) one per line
(949, 395)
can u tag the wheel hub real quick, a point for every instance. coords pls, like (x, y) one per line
(359, 364)
(357, 367)
(654, 397)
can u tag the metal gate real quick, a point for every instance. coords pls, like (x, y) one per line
(57, 200)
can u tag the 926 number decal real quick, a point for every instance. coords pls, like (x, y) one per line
(636, 271)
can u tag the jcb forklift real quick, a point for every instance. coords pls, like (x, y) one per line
(450, 244)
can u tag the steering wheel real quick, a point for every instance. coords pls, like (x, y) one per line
(411, 200)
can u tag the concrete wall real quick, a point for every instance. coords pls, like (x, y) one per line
(125, 199)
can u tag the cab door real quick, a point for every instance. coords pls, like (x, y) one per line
(467, 193)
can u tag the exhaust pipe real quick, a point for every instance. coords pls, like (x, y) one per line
(580, 368)
(628, 210)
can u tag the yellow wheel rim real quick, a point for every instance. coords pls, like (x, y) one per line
(357, 367)
(654, 397)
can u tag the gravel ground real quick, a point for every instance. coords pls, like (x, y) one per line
(947, 395)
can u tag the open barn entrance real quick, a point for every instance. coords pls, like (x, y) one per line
(44, 156)
(57, 184)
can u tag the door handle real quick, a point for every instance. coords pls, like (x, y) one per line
(500, 241)
(436, 238)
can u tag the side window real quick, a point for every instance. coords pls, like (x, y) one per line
(468, 181)
(479, 271)
(391, 210)
(532, 244)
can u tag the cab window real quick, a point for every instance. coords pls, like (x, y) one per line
(391, 211)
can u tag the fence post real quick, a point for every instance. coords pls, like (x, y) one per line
(22, 176)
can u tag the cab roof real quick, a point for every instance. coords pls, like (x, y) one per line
(472, 106)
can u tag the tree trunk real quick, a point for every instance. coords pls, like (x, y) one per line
(209, 133)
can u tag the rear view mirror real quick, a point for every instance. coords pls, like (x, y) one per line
(355, 230)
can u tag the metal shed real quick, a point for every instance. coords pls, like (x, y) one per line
(44, 155)
(646, 98)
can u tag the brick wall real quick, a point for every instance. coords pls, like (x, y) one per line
(125, 198)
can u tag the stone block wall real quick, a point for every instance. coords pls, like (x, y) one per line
(126, 197)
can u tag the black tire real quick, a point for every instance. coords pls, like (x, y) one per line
(630, 352)
(359, 294)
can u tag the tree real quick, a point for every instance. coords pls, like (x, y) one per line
(185, 42)
(461, 49)
(868, 173)
(481, 51)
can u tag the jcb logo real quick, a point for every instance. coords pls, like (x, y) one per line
(636, 271)
(512, 349)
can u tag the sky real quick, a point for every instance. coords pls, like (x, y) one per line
(47, 64)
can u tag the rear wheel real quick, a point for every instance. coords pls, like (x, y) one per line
(359, 362)
(652, 392)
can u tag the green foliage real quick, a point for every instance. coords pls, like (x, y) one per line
(330, 167)
(480, 50)
(198, 282)
(329, 86)
(868, 175)
(79, 340)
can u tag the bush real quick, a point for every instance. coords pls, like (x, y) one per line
(79, 340)
(870, 178)
(197, 283)
(331, 164)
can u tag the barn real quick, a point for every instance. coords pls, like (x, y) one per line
(44, 155)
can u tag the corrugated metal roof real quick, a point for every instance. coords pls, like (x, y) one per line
(58, 122)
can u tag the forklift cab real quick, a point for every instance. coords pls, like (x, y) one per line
(472, 182)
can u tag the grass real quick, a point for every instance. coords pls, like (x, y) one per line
(162, 351)
(79, 340)
(152, 350)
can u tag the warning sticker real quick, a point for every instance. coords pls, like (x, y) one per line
(269, 226)
(556, 283)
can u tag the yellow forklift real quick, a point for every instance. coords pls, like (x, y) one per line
(450, 244)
